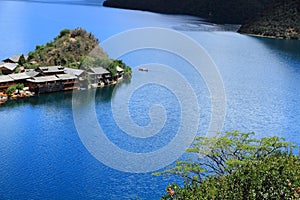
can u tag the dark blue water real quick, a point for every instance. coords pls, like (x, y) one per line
(41, 154)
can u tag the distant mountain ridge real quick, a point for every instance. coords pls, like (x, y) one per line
(269, 18)
(220, 11)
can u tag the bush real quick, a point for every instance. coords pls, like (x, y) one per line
(10, 90)
(68, 47)
(22, 60)
(272, 177)
(237, 166)
(64, 32)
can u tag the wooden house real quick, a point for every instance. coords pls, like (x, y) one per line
(69, 81)
(50, 70)
(5, 82)
(53, 83)
(7, 68)
(14, 59)
(13, 79)
(76, 72)
(20, 78)
(45, 84)
(100, 75)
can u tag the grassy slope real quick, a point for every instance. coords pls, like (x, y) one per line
(67, 49)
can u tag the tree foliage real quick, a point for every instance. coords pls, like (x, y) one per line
(22, 60)
(90, 62)
(230, 11)
(281, 20)
(12, 89)
(119, 63)
(237, 166)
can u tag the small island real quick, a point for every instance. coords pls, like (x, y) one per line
(73, 60)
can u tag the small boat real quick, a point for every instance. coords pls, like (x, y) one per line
(2, 102)
(143, 69)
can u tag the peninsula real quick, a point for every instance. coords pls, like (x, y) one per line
(73, 60)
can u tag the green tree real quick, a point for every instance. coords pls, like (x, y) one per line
(271, 177)
(87, 62)
(127, 72)
(112, 68)
(224, 167)
(22, 60)
(64, 32)
(20, 86)
(10, 90)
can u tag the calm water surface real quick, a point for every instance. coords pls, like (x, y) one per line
(41, 155)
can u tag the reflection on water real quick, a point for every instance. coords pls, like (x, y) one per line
(287, 47)
(198, 25)
(62, 98)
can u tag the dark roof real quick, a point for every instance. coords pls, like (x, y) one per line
(43, 79)
(65, 76)
(52, 69)
(19, 76)
(99, 70)
(14, 58)
(31, 72)
(9, 66)
(5, 78)
(76, 72)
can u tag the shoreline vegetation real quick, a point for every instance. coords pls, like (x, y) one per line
(234, 166)
(281, 21)
(266, 18)
(73, 60)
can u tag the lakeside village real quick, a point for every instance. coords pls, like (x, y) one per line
(18, 82)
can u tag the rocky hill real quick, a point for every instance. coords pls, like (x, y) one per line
(67, 49)
(219, 11)
(281, 20)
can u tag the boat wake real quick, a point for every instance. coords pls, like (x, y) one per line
(204, 26)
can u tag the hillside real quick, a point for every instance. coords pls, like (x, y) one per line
(219, 11)
(281, 20)
(67, 49)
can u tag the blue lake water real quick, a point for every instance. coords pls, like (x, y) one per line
(41, 154)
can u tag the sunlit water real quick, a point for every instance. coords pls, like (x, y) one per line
(41, 155)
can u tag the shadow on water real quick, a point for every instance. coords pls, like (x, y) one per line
(65, 98)
(290, 47)
(58, 98)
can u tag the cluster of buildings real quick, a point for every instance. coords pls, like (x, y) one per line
(53, 78)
